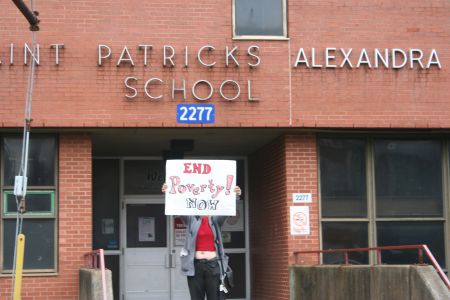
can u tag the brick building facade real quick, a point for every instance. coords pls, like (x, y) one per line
(338, 98)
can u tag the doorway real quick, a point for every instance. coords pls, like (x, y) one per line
(142, 244)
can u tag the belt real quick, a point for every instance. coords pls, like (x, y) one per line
(205, 261)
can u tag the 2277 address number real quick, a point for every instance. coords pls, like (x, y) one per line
(195, 113)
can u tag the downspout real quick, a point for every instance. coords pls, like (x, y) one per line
(290, 83)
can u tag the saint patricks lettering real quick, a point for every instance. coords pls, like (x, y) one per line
(30, 54)
(207, 56)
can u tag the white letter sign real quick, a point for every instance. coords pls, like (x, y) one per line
(201, 187)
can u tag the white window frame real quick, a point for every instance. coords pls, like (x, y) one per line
(261, 37)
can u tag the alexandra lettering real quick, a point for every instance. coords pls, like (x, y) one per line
(389, 58)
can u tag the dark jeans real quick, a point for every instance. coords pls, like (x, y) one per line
(205, 281)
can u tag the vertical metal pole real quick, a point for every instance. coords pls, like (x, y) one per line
(420, 256)
(102, 267)
(378, 256)
(19, 266)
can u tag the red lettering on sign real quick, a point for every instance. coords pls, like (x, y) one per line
(187, 168)
(197, 168)
(206, 169)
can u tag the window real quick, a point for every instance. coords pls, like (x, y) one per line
(412, 233)
(143, 177)
(408, 178)
(340, 235)
(259, 19)
(106, 204)
(383, 192)
(343, 173)
(39, 224)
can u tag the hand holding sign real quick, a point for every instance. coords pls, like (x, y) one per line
(201, 187)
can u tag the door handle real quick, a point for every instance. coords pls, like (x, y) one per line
(173, 260)
(168, 261)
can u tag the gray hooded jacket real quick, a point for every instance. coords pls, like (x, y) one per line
(188, 252)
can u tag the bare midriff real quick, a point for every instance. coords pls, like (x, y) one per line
(205, 254)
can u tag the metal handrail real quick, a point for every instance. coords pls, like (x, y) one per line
(96, 260)
(421, 249)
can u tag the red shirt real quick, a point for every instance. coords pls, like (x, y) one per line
(205, 237)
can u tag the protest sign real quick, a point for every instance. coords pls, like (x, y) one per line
(200, 187)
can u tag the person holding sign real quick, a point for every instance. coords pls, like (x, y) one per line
(199, 192)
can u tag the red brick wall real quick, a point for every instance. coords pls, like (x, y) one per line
(75, 224)
(81, 94)
(286, 165)
(371, 97)
(302, 177)
(268, 222)
(84, 94)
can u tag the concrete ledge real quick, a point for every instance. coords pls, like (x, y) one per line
(390, 282)
(380, 282)
(90, 284)
(426, 286)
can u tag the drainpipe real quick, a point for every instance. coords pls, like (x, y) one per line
(31, 16)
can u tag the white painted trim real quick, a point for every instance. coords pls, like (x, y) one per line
(283, 37)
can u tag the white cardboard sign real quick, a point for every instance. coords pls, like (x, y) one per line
(200, 187)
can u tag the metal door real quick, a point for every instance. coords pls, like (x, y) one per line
(151, 255)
